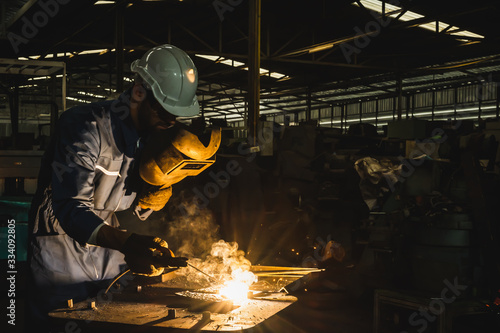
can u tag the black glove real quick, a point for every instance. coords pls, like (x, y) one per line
(148, 255)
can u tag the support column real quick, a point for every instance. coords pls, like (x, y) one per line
(455, 102)
(400, 97)
(202, 108)
(3, 28)
(413, 105)
(433, 103)
(343, 117)
(253, 70)
(119, 34)
(54, 112)
(220, 36)
(498, 101)
(63, 88)
(332, 116)
(308, 103)
(480, 100)
(14, 113)
(394, 107)
(360, 111)
(408, 105)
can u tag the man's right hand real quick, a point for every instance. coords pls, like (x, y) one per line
(141, 253)
(145, 255)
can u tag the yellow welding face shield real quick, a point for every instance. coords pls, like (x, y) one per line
(174, 154)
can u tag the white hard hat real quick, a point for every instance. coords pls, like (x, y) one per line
(172, 76)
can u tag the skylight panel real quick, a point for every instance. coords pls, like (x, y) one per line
(393, 11)
(466, 33)
(277, 75)
(241, 65)
(432, 26)
(209, 57)
(93, 51)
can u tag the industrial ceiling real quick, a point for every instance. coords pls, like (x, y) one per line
(314, 54)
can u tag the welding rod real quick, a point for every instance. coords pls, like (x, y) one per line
(202, 272)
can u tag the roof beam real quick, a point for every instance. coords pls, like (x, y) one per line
(84, 27)
(29, 67)
(196, 37)
(21, 12)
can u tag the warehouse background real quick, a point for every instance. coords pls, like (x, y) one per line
(366, 133)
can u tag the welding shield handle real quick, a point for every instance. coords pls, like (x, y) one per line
(165, 261)
(142, 253)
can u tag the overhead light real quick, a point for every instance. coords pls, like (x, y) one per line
(59, 55)
(38, 78)
(78, 100)
(91, 94)
(42, 77)
(104, 3)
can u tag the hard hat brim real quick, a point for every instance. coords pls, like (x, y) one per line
(183, 111)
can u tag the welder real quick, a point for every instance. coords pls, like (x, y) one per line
(94, 168)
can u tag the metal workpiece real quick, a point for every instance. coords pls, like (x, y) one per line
(177, 305)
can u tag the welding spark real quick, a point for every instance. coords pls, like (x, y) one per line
(236, 291)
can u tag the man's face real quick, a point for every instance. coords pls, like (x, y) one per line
(152, 116)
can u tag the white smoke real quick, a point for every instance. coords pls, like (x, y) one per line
(196, 236)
